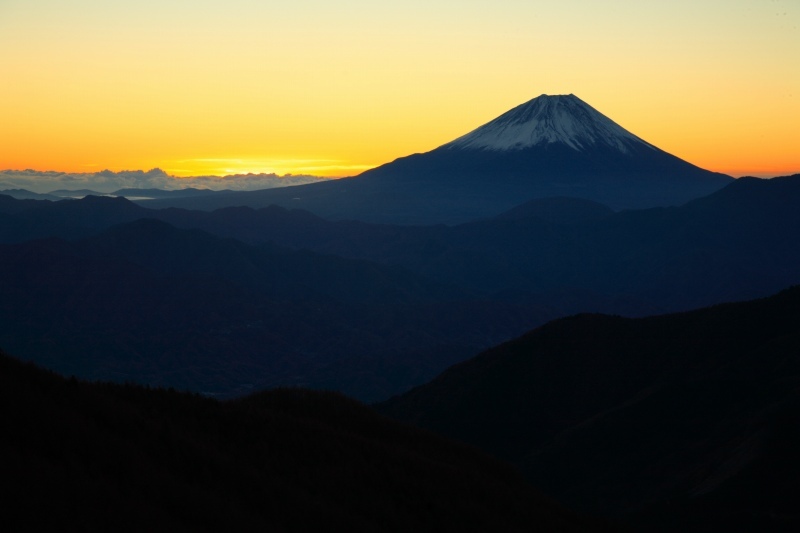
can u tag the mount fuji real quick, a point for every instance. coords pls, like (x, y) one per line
(549, 146)
(546, 120)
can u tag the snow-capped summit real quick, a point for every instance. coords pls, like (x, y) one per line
(549, 119)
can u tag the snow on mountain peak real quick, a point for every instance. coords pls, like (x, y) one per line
(549, 119)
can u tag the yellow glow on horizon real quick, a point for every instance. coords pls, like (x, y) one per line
(295, 166)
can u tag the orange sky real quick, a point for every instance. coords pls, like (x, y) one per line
(333, 88)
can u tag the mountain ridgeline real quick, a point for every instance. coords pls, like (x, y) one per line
(237, 298)
(100, 457)
(549, 146)
(686, 422)
(147, 302)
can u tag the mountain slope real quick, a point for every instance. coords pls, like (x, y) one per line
(681, 422)
(737, 243)
(154, 304)
(32, 219)
(362, 324)
(550, 146)
(82, 456)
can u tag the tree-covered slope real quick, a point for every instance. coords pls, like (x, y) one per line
(97, 457)
(685, 421)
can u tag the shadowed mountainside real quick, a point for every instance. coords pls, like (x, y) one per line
(165, 306)
(83, 456)
(737, 243)
(685, 422)
(154, 304)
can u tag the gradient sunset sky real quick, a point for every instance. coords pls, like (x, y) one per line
(333, 88)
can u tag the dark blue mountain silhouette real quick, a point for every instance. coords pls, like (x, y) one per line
(686, 422)
(503, 275)
(150, 303)
(549, 146)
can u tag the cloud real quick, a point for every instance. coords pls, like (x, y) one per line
(107, 181)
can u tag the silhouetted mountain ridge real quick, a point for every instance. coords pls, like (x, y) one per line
(550, 146)
(398, 304)
(162, 193)
(110, 457)
(678, 421)
(151, 303)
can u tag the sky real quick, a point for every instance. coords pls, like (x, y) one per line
(207, 87)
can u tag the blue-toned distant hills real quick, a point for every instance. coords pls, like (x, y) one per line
(374, 309)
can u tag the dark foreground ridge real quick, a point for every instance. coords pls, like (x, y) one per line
(684, 422)
(81, 456)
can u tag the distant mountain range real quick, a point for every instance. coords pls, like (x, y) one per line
(687, 422)
(549, 146)
(737, 243)
(147, 302)
(363, 308)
